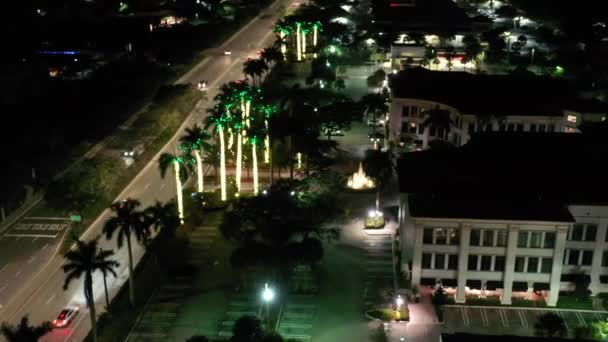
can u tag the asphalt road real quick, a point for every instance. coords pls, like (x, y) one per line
(48, 298)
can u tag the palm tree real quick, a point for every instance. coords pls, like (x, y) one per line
(86, 259)
(163, 217)
(438, 119)
(255, 68)
(379, 166)
(256, 132)
(24, 332)
(374, 104)
(218, 120)
(164, 162)
(211, 157)
(128, 221)
(272, 55)
(195, 140)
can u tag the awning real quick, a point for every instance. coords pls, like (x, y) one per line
(449, 282)
(520, 286)
(492, 285)
(474, 284)
(542, 286)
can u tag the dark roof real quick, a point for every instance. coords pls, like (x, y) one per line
(488, 207)
(464, 337)
(498, 95)
(562, 167)
(425, 16)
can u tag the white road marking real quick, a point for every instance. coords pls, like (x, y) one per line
(17, 274)
(34, 239)
(18, 236)
(162, 186)
(31, 260)
(3, 267)
(146, 186)
(3, 287)
(50, 298)
(45, 246)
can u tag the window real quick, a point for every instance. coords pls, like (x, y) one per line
(475, 236)
(420, 129)
(499, 263)
(426, 260)
(549, 240)
(590, 232)
(488, 238)
(535, 239)
(532, 265)
(414, 111)
(605, 259)
(546, 265)
(439, 261)
(541, 128)
(489, 127)
(501, 238)
(453, 262)
(522, 239)
(510, 127)
(472, 264)
(551, 128)
(587, 258)
(501, 127)
(520, 127)
(532, 127)
(519, 264)
(573, 256)
(577, 232)
(486, 262)
(405, 111)
(427, 236)
(454, 237)
(441, 237)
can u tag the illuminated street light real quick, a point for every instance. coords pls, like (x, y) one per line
(399, 301)
(267, 294)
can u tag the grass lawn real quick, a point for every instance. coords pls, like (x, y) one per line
(570, 302)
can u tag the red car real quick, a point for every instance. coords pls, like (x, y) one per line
(66, 316)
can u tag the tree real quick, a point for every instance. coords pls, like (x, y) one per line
(438, 119)
(247, 329)
(374, 104)
(85, 260)
(379, 166)
(550, 324)
(272, 55)
(195, 140)
(180, 164)
(337, 116)
(256, 133)
(506, 11)
(255, 68)
(198, 338)
(438, 300)
(24, 332)
(128, 222)
(218, 120)
(581, 286)
(472, 49)
(376, 79)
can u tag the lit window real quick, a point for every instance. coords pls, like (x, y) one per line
(571, 118)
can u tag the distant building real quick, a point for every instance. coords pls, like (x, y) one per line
(484, 103)
(512, 215)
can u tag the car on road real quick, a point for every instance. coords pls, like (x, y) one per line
(65, 317)
(227, 52)
(202, 85)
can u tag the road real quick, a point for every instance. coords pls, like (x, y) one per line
(49, 298)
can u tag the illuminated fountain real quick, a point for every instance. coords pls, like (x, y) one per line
(360, 181)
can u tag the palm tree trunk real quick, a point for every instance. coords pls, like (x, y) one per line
(271, 169)
(131, 280)
(105, 289)
(199, 170)
(254, 156)
(88, 289)
(239, 160)
(180, 195)
(377, 197)
(222, 165)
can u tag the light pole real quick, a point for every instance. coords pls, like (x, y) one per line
(267, 297)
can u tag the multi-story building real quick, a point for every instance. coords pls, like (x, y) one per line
(505, 219)
(483, 103)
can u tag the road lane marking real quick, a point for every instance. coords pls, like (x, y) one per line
(3, 267)
(48, 301)
(31, 260)
(18, 236)
(45, 246)
(17, 274)
(3, 287)
(34, 239)
(146, 186)
(162, 186)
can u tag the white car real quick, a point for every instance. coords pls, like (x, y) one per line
(65, 317)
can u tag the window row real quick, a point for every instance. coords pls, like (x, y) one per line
(439, 261)
(526, 239)
(582, 232)
(510, 127)
(412, 128)
(441, 236)
(578, 257)
(488, 237)
(530, 264)
(486, 263)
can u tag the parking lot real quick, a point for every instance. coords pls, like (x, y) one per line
(510, 320)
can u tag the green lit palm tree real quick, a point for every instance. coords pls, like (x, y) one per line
(24, 332)
(256, 133)
(181, 164)
(255, 68)
(129, 223)
(85, 260)
(218, 121)
(194, 140)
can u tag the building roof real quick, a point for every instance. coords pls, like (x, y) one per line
(498, 95)
(488, 206)
(561, 167)
(424, 16)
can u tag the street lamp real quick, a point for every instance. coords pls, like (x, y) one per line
(267, 296)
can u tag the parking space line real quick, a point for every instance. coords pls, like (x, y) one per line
(599, 318)
(522, 318)
(484, 316)
(465, 315)
(503, 317)
(563, 319)
(581, 319)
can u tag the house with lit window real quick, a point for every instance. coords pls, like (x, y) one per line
(482, 103)
(508, 215)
